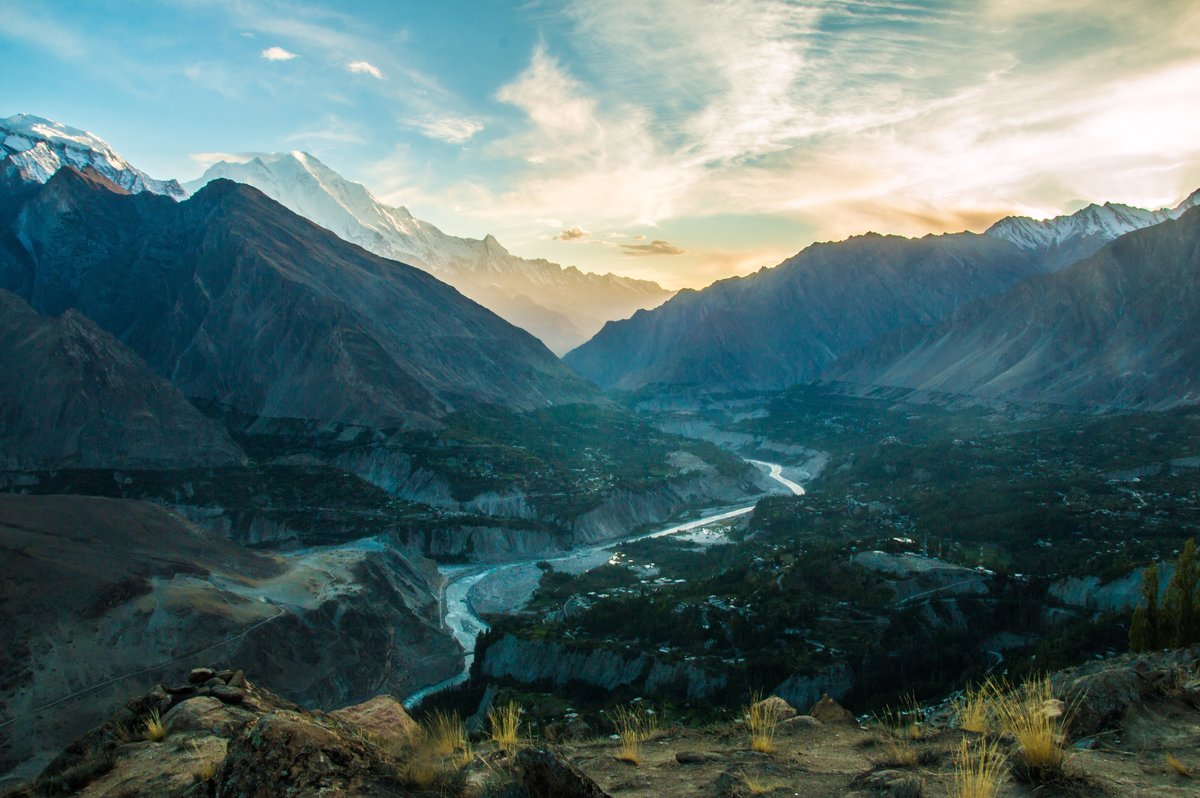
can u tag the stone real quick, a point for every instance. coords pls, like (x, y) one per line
(802, 721)
(895, 783)
(545, 774)
(238, 679)
(200, 675)
(697, 757)
(777, 706)
(226, 694)
(184, 691)
(827, 710)
(224, 675)
(383, 718)
(207, 714)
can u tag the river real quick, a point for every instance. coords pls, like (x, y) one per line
(465, 624)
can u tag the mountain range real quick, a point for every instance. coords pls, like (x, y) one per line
(235, 299)
(872, 296)
(1116, 328)
(561, 306)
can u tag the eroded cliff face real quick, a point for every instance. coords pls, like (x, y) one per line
(98, 592)
(559, 665)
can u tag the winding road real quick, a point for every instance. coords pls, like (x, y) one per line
(463, 622)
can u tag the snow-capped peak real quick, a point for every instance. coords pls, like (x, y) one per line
(36, 148)
(1101, 223)
(561, 306)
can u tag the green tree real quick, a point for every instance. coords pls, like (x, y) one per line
(1178, 624)
(1143, 628)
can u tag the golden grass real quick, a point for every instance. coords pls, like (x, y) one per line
(757, 786)
(976, 710)
(1178, 767)
(979, 769)
(1032, 715)
(634, 726)
(446, 734)
(153, 728)
(762, 720)
(208, 765)
(903, 727)
(504, 726)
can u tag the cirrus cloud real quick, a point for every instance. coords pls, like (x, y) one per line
(365, 68)
(655, 247)
(450, 129)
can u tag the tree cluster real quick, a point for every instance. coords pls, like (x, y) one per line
(1176, 621)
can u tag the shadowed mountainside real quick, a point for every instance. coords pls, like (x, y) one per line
(1118, 328)
(75, 397)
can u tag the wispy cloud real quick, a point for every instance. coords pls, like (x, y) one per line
(451, 129)
(331, 128)
(207, 159)
(365, 68)
(655, 247)
(277, 54)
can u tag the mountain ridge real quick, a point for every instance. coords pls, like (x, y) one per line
(481, 268)
(238, 300)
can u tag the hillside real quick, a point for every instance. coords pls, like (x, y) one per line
(561, 306)
(787, 324)
(73, 396)
(236, 299)
(1116, 329)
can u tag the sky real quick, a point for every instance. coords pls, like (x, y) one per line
(672, 140)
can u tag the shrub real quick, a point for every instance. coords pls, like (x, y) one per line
(976, 710)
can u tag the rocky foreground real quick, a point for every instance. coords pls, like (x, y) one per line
(1132, 728)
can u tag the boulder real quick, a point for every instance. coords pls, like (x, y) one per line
(383, 718)
(545, 774)
(777, 706)
(827, 710)
(207, 714)
(288, 753)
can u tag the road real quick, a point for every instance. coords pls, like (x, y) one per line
(462, 621)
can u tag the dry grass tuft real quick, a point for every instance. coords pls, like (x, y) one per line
(153, 728)
(634, 726)
(976, 710)
(504, 726)
(762, 720)
(759, 786)
(979, 769)
(1033, 716)
(447, 735)
(1178, 767)
(207, 770)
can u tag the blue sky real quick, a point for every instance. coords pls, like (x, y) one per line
(674, 140)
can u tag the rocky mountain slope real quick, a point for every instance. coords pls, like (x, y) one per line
(1118, 328)
(561, 306)
(1065, 239)
(238, 300)
(33, 149)
(75, 397)
(787, 324)
(1132, 722)
(99, 594)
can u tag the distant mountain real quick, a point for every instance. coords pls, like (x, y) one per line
(788, 324)
(236, 299)
(75, 397)
(561, 306)
(1065, 239)
(33, 149)
(1119, 328)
